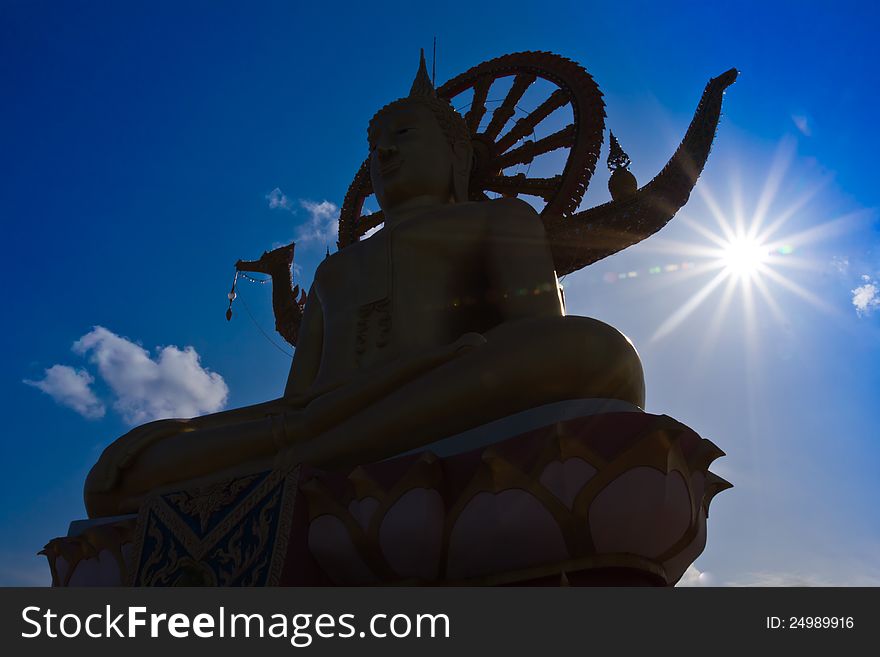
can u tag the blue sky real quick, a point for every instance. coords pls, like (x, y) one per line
(141, 144)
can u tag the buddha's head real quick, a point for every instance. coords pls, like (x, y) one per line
(420, 148)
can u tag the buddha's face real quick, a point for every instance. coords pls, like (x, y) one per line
(410, 157)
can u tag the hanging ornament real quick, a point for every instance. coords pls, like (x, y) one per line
(621, 183)
(231, 296)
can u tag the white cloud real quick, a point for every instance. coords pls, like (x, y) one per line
(143, 388)
(372, 231)
(866, 297)
(322, 226)
(779, 580)
(694, 577)
(174, 384)
(279, 200)
(320, 229)
(861, 577)
(71, 388)
(840, 264)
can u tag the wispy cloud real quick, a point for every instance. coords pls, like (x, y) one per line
(802, 123)
(71, 388)
(278, 200)
(142, 387)
(779, 580)
(840, 264)
(866, 297)
(693, 576)
(322, 226)
(372, 231)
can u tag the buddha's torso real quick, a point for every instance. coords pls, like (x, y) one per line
(433, 265)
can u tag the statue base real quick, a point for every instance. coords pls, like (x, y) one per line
(583, 493)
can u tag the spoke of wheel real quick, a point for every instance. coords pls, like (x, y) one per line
(531, 149)
(478, 105)
(503, 112)
(519, 184)
(526, 125)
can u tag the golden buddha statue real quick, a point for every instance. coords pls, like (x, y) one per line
(447, 318)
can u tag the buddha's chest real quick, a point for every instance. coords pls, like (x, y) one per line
(435, 264)
(400, 291)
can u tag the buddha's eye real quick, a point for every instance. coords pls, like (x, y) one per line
(403, 131)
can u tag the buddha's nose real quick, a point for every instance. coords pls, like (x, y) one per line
(387, 153)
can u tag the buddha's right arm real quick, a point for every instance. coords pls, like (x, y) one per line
(150, 443)
(174, 452)
(306, 362)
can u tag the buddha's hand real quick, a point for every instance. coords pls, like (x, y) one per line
(468, 341)
(122, 452)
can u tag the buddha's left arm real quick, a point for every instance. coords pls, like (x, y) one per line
(307, 357)
(522, 279)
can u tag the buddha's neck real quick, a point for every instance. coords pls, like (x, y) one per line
(410, 208)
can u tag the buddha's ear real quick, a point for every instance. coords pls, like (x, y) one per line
(462, 162)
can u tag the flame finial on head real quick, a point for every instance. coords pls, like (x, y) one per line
(422, 85)
(423, 93)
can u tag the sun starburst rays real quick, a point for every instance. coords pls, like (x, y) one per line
(689, 307)
(713, 332)
(746, 251)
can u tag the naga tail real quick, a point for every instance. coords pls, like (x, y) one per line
(593, 234)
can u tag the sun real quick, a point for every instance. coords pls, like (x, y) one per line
(744, 256)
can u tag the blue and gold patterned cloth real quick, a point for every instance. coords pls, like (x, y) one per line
(233, 533)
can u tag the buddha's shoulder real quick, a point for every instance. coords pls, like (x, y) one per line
(344, 259)
(470, 211)
(496, 208)
(481, 219)
(509, 207)
(512, 216)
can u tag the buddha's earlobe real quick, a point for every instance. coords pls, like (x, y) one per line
(462, 158)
